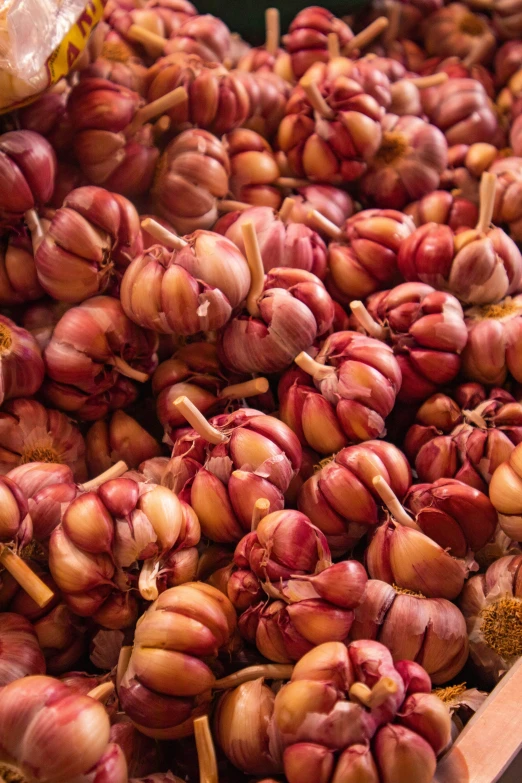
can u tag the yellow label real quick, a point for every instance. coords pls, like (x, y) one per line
(67, 52)
(60, 62)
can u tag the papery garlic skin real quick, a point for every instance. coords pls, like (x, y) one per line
(27, 172)
(505, 494)
(189, 290)
(191, 175)
(340, 499)
(427, 331)
(461, 108)
(508, 172)
(467, 440)
(268, 94)
(165, 685)
(126, 531)
(204, 35)
(429, 631)
(241, 728)
(319, 714)
(306, 39)
(294, 309)
(141, 753)
(29, 432)
(31, 709)
(121, 438)
(91, 382)
(443, 510)
(443, 207)
(20, 653)
(21, 365)
(194, 371)
(493, 344)
(477, 267)
(257, 458)
(455, 30)
(59, 634)
(101, 111)
(410, 559)
(365, 260)
(15, 523)
(351, 401)
(338, 144)
(216, 100)
(288, 559)
(492, 606)
(253, 169)
(18, 280)
(90, 241)
(282, 244)
(408, 164)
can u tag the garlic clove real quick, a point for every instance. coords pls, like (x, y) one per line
(356, 765)
(241, 723)
(306, 761)
(88, 525)
(318, 622)
(171, 672)
(403, 755)
(428, 716)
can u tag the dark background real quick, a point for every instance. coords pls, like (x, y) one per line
(247, 17)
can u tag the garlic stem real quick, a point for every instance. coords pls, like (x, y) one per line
(162, 234)
(208, 771)
(394, 22)
(228, 205)
(255, 264)
(291, 182)
(368, 323)
(115, 471)
(247, 389)
(318, 371)
(286, 208)
(153, 42)
(367, 35)
(12, 773)
(147, 579)
(161, 126)
(428, 81)
(123, 663)
(475, 417)
(334, 50)
(270, 671)
(102, 692)
(479, 49)
(273, 30)
(155, 108)
(360, 693)
(317, 220)
(261, 510)
(25, 576)
(381, 690)
(373, 697)
(35, 228)
(391, 501)
(125, 369)
(198, 422)
(488, 187)
(317, 101)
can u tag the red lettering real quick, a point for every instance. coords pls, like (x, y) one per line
(72, 54)
(87, 20)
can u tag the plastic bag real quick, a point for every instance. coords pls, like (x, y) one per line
(39, 42)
